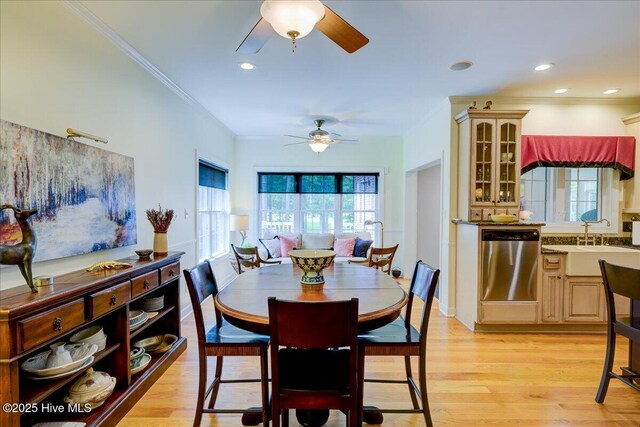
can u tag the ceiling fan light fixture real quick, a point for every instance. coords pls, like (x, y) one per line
(318, 147)
(292, 19)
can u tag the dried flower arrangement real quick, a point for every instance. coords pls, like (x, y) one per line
(160, 219)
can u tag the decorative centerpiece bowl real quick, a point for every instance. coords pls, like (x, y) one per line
(503, 218)
(144, 253)
(312, 262)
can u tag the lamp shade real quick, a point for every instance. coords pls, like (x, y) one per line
(292, 16)
(318, 147)
(238, 222)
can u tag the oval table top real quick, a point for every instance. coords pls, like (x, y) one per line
(243, 302)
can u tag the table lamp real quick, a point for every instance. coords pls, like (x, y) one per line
(370, 222)
(239, 223)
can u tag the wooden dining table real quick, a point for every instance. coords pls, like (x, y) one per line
(243, 303)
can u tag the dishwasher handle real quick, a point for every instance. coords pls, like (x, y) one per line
(510, 235)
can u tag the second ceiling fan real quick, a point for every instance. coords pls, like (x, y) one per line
(319, 139)
(295, 19)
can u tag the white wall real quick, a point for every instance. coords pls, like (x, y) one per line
(370, 155)
(427, 144)
(428, 229)
(56, 72)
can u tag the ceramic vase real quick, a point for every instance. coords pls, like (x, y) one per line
(160, 243)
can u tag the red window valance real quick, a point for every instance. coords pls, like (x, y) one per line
(617, 152)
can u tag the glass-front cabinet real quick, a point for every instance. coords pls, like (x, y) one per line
(490, 157)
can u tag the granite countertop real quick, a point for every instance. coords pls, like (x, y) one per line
(547, 251)
(500, 224)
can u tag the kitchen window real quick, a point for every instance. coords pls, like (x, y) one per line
(569, 196)
(213, 210)
(316, 202)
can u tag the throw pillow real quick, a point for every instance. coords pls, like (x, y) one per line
(344, 247)
(287, 244)
(272, 246)
(361, 247)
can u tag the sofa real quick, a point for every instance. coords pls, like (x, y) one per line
(311, 241)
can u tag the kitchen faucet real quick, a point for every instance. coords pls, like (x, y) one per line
(586, 239)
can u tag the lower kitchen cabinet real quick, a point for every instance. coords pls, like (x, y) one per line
(584, 300)
(552, 286)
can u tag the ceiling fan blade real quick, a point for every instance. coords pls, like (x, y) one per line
(300, 137)
(347, 141)
(335, 134)
(257, 37)
(295, 143)
(340, 31)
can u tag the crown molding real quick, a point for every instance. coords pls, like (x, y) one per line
(544, 100)
(634, 118)
(100, 26)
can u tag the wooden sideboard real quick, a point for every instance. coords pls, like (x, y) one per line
(30, 322)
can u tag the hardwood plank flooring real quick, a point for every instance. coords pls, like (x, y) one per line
(474, 379)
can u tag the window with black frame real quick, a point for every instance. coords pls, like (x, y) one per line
(317, 202)
(213, 210)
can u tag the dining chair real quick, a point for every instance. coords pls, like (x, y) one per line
(379, 258)
(624, 281)
(223, 339)
(400, 338)
(249, 258)
(318, 364)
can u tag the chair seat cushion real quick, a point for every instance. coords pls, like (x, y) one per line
(314, 369)
(393, 333)
(229, 334)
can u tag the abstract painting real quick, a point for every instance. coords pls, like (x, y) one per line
(85, 196)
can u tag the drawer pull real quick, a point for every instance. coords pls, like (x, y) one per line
(171, 273)
(553, 261)
(147, 285)
(57, 324)
(114, 299)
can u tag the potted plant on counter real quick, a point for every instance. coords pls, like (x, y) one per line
(160, 220)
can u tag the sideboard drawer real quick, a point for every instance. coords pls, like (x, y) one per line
(169, 272)
(104, 301)
(144, 283)
(34, 330)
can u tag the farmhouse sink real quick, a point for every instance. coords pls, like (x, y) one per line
(583, 260)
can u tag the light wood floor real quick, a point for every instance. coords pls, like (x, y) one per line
(474, 379)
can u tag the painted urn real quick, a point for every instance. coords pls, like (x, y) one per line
(312, 262)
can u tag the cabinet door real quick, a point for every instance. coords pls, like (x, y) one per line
(584, 300)
(551, 296)
(507, 160)
(483, 136)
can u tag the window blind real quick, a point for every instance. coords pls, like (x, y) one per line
(210, 175)
(318, 183)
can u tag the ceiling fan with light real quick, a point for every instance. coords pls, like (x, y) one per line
(295, 19)
(319, 139)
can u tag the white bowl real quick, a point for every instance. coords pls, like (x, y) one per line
(91, 335)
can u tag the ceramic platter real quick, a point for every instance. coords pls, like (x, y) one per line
(158, 344)
(79, 354)
(85, 365)
(146, 358)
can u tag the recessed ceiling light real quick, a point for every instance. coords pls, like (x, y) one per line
(610, 91)
(247, 66)
(543, 67)
(462, 65)
(560, 90)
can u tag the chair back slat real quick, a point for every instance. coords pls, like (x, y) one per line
(382, 258)
(423, 285)
(201, 284)
(246, 257)
(331, 323)
(620, 280)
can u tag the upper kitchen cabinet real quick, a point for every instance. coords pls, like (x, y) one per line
(489, 163)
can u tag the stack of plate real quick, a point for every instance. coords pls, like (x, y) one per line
(153, 303)
(81, 357)
(137, 318)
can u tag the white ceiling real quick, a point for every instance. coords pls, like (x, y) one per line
(392, 83)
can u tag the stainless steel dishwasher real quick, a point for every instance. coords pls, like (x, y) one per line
(509, 264)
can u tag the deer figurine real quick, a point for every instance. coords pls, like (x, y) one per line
(21, 254)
